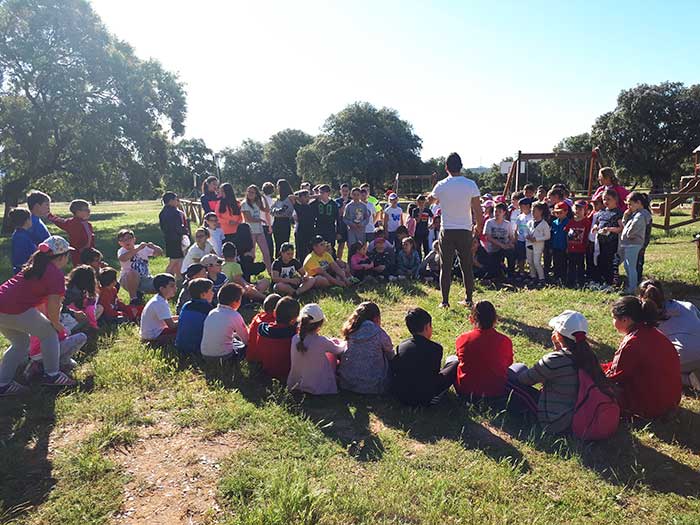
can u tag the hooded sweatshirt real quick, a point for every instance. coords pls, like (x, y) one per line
(364, 367)
(634, 229)
(683, 329)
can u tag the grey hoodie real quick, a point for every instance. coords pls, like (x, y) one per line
(683, 329)
(356, 214)
(634, 229)
(364, 366)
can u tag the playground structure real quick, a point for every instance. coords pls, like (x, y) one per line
(689, 189)
(410, 186)
(516, 169)
(192, 210)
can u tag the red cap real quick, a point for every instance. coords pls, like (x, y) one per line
(561, 206)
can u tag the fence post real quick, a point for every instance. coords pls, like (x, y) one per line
(667, 215)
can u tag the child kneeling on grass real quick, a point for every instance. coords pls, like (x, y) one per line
(190, 325)
(252, 354)
(364, 366)
(288, 275)
(314, 358)
(275, 339)
(417, 376)
(158, 325)
(225, 331)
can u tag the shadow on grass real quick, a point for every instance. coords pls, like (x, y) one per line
(25, 469)
(106, 216)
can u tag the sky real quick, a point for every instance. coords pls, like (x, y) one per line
(485, 79)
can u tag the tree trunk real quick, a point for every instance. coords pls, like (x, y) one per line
(11, 195)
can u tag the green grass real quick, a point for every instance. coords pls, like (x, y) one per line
(350, 458)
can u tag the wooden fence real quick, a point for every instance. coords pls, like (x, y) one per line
(193, 211)
(668, 199)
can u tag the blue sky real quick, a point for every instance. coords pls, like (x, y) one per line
(481, 78)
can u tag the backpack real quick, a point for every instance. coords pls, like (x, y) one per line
(596, 414)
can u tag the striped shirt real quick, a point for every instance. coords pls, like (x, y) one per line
(559, 378)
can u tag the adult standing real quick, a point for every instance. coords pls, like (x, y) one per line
(41, 283)
(460, 205)
(282, 210)
(210, 194)
(608, 181)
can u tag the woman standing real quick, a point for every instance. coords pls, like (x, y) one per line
(608, 181)
(253, 208)
(282, 210)
(210, 194)
(229, 212)
(40, 282)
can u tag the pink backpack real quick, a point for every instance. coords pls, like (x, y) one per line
(596, 415)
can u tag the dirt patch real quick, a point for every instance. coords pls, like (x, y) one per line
(173, 475)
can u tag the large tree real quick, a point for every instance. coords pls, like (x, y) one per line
(191, 161)
(650, 133)
(78, 107)
(280, 154)
(361, 143)
(245, 165)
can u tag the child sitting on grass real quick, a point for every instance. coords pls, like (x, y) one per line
(79, 229)
(314, 358)
(266, 316)
(22, 244)
(364, 366)
(225, 331)
(80, 300)
(288, 274)
(69, 344)
(430, 265)
(320, 265)
(383, 258)
(135, 275)
(408, 260)
(190, 325)
(158, 325)
(195, 271)
(418, 377)
(201, 247)
(360, 264)
(213, 264)
(234, 274)
(113, 310)
(275, 339)
(92, 257)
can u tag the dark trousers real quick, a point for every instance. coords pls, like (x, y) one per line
(640, 263)
(576, 275)
(547, 256)
(303, 245)
(453, 242)
(422, 244)
(559, 266)
(281, 230)
(607, 262)
(591, 268)
(495, 266)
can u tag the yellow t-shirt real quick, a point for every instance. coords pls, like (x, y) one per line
(313, 264)
(231, 270)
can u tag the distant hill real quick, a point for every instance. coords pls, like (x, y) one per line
(479, 170)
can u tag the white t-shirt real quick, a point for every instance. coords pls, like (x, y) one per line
(372, 213)
(521, 225)
(138, 262)
(216, 238)
(195, 254)
(153, 317)
(254, 210)
(220, 327)
(455, 195)
(394, 218)
(269, 219)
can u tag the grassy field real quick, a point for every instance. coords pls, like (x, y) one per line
(150, 438)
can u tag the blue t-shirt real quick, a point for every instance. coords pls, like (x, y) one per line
(190, 326)
(559, 234)
(38, 232)
(22, 248)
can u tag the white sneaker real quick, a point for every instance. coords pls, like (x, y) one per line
(694, 381)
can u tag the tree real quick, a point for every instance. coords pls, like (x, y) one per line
(573, 173)
(653, 129)
(191, 161)
(280, 154)
(245, 165)
(361, 144)
(77, 105)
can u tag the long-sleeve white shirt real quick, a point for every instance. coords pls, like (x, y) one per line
(220, 327)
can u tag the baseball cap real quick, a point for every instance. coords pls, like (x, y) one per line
(193, 269)
(286, 246)
(317, 240)
(314, 311)
(211, 259)
(525, 201)
(581, 204)
(569, 323)
(561, 206)
(393, 196)
(488, 204)
(500, 198)
(56, 245)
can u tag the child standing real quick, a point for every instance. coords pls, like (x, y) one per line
(173, 224)
(274, 339)
(607, 224)
(266, 316)
(393, 217)
(158, 326)
(356, 218)
(499, 242)
(341, 227)
(79, 229)
(39, 205)
(417, 374)
(423, 216)
(199, 249)
(537, 233)
(364, 366)
(371, 208)
(216, 233)
(224, 326)
(408, 260)
(577, 231)
(325, 215)
(558, 232)
(635, 221)
(22, 244)
(190, 325)
(135, 275)
(521, 228)
(288, 275)
(314, 358)
(304, 227)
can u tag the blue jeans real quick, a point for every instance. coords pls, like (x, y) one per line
(630, 255)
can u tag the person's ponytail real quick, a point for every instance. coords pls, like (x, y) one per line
(35, 267)
(585, 359)
(640, 311)
(652, 291)
(306, 327)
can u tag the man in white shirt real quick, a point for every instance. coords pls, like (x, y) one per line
(460, 206)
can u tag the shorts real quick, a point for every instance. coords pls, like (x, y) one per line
(145, 283)
(173, 249)
(342, 231)
(520, 251)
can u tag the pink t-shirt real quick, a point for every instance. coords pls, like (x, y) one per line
(17, 294)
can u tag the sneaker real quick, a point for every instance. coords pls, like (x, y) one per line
(59, 380)
(444, 305)
(393, 278)
(694, 381)
(467, 304)
(13, 388)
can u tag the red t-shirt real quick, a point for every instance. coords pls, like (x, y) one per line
(577, 235)
(274, 344)
(17, 294)
(647, 368)
(252, 354)
(484, 357)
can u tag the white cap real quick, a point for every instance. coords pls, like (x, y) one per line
(568, 323)
(314, 311)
